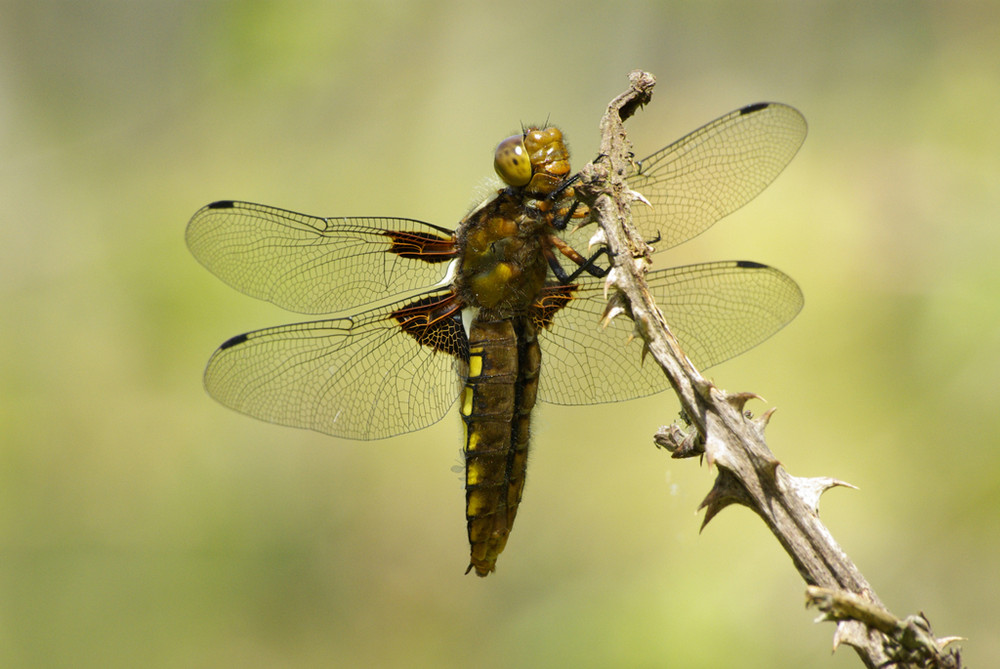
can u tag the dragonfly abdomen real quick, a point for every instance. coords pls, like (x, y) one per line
(499, 394)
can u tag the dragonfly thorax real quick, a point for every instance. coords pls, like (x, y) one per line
(503, 267)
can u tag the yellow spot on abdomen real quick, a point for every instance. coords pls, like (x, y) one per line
(466, 401)
(475, 365)
(473, 443)
(473, 473)
(477, 503)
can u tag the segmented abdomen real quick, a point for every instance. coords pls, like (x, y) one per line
(504, 359)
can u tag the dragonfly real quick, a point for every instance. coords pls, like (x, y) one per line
(497, 313)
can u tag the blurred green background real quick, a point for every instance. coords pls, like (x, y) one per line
(142, 524)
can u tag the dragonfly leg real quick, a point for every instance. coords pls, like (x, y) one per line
(587, 265)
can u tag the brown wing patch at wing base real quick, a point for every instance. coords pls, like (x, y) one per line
(550, 300)
(422, 246)
(436, 322)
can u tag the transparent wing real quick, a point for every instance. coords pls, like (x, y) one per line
(714, 171)
(362, 377)
(716, 310)
(317, 265)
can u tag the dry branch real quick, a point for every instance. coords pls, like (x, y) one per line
(748, 473)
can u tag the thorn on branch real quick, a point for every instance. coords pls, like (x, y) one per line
(765, 418)
(726, 490)
(739, 400)
(811, 488)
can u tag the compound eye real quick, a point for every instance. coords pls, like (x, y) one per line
(511, 161)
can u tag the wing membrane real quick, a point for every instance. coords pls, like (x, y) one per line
(360, 377)
(714, 171)
(314, 265)
(716, 310)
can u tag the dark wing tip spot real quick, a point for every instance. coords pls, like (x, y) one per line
(750, 264)
(222, 204)
(233, 341)
(756, 107)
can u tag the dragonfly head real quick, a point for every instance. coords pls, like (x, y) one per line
(536, 160)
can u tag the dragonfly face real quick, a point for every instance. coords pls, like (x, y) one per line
(423, 315)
